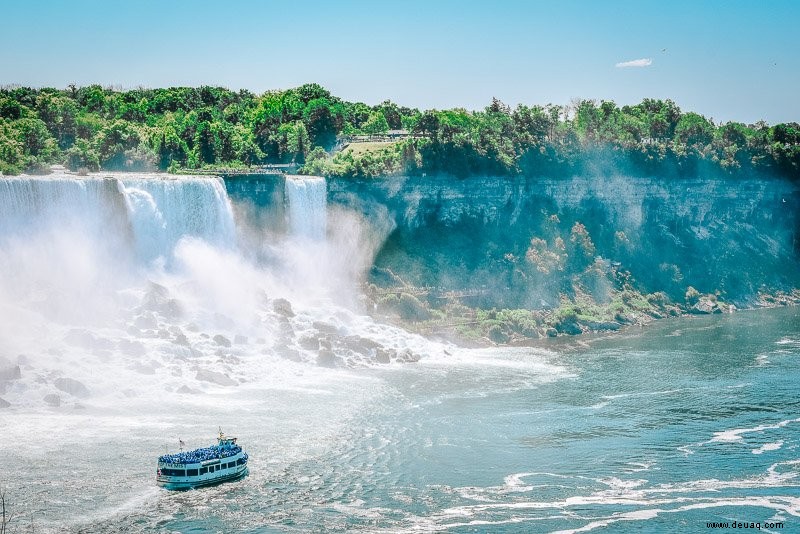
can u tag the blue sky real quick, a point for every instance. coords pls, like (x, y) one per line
(730, 60)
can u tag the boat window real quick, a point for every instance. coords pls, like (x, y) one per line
(203, 470)
(174, 472)
(191, 472)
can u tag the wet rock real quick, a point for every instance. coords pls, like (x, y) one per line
(222, 341)
(406, 356)
(131, 348)
(51, 399)
(289, 353)
(384, 355)
(145, 321)
(570, 328)
(624, 318)
(103, 355)
(223, 321)
(133, 331)
(240, 339)
(157, 299)
(181, 340)
(144, 369)
(4, 403)
(551, 332)
(283, 307)
(497, 334)
(599, 326)
(214, 377)
(325, 328)
(101, 344)
(85, 339)
(186, 390)
(9, 372)
(359, 344)
(325, 344)
(72, 386)
(285, 329)
(326, 358)
(308, 342)
(705, 306)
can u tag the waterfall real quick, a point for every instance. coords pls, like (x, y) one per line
(162, 212)
(147, 213)
(306, 206)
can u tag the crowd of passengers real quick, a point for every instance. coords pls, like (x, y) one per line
(200, 455)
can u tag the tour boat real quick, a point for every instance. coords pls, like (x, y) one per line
(222, 462)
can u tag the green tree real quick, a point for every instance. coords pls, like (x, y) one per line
(35, 138)
(113, 141)
(320, 123)
(694, 129)
(12, 154)
(376, 124)
(59, 114)
(82, 155)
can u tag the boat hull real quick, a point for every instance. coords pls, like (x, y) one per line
(167, 483)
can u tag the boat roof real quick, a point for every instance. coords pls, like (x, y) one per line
(200, 455)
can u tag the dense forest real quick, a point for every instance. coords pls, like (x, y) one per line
(179, 128)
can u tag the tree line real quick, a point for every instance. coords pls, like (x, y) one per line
(178, 128)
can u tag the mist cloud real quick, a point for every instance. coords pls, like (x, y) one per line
(643, 62)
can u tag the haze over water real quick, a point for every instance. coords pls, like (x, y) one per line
(140, 311)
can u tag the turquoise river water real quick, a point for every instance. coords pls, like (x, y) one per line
(662, 429)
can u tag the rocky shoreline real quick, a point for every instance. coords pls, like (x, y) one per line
(475, 327)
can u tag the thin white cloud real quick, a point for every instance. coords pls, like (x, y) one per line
(644, 62)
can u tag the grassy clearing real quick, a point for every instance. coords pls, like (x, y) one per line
(358, 149)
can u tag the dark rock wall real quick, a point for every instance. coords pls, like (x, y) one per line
(734, 237)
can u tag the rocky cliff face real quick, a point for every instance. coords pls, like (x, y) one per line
(509, 242)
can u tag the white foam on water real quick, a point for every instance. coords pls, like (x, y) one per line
(768, 447)
(649, 501)
(643, 394)
(735, 434)
(515, 482)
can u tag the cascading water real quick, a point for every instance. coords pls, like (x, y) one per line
(164, 211)
(147, 268)
(153, 212)
(29, 205)
(306, 199)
